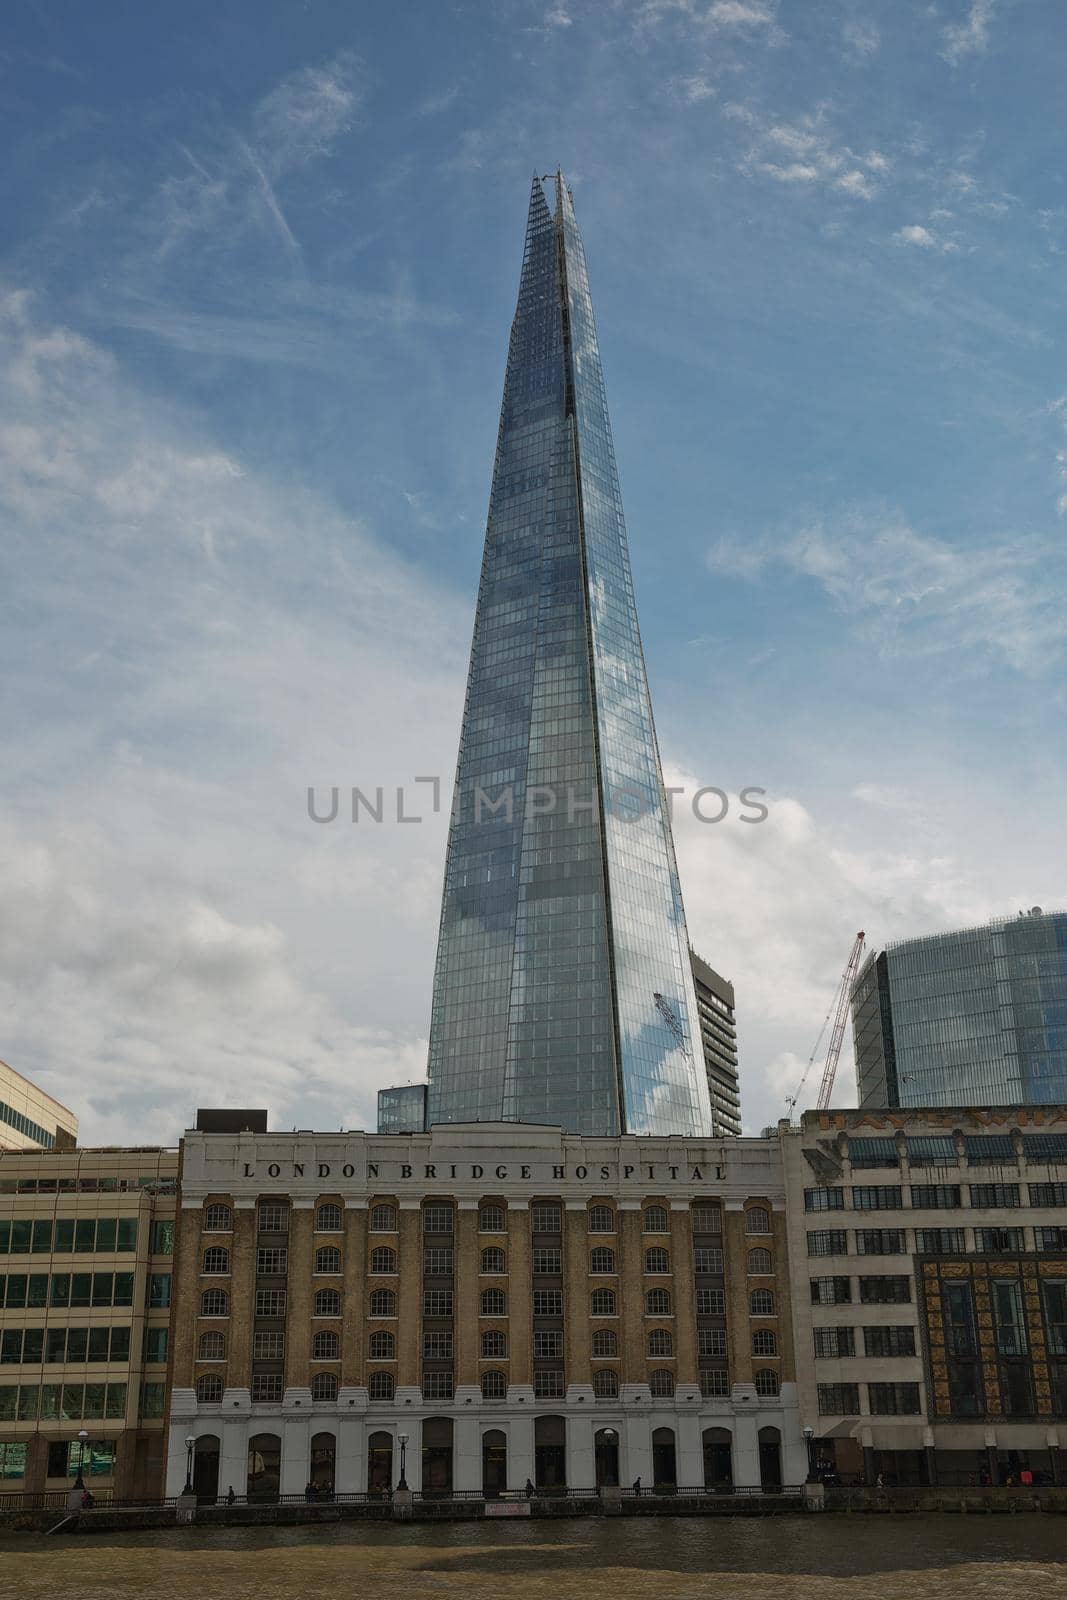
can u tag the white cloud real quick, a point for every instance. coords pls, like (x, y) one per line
(804, 152)
(558, 17)
(861, 37)
(971, 35)
(1058, 408)
(922, 238)
(856, 183)
(695, 89)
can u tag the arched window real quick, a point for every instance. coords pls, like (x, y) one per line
(764, 1342)
(494, 1386)
(604, 1303)
(661, 1342)
(328, 1219)
(328, 1259)
(658, 1303)
(324, 1386)
(657, 1259)
(601, 1219)
(605, 1342)
(494, 1345)
(383, 1303)
(209, 1389)
(383, 1219)
(493, 1260)
(218, 1219)
(759, 1262)
(212, 1347)
(605, 1383)
(325, 1345)
(216, 1259)
(214, 1303)
(327, 1303)
(491, 1219)
(602, 1259)
(493, 1302)
(761, 1303)
(766, 1381)
(757, 1220)
(382, 1386)
(661, 1384)
(381, 1346)
(383, 1259)
(655, 1219)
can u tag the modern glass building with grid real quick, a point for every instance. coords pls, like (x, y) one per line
(973, 1017)
(563, 991)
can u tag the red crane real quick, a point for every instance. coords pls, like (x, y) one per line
(839, 1012)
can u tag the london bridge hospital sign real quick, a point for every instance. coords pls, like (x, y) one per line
(533, 1173)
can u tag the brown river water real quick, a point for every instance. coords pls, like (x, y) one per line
(669, 1558)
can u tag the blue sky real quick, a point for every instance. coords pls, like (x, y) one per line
(258, 265)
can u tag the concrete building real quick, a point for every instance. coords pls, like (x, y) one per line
(502, 1301)
(928, 1252)
(86, 1243)
(718, 1038)
(31, 1119)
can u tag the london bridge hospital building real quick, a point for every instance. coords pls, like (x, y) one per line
(505, 1303)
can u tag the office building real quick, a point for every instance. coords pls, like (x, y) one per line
(31, 1119)
(402, 1109)
(718, 1037)
(974, 1017)
(86, 1244)
(563, 992)
(507, 1301)
(928, 1252)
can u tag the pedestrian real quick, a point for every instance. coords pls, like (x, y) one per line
(637, 1486)
(309, 1491)
(879, 1482)
(529, 1489)
(230, 1496)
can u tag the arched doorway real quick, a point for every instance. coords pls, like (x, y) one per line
(664, 1470)
(264, 1466)
(206, 1469)
(494, 1463)
(437, 1456)
(380, 1463)
(550, 1453)
(323, 1461)
(770, 1460)
(606, 1453)
(718, 1460)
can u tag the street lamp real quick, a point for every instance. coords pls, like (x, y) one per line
(403, 1438)
(809, 1440)
(611, 1467)
(189, 1443)
(83, 1435)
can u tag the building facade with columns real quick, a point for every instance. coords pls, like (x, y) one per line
(496, 1302)
(928, 1251)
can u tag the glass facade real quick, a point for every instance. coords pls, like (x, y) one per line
(976, 1017)
(403, 1109)
(563, 992)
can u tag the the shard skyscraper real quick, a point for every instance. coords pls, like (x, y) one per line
(563, 991)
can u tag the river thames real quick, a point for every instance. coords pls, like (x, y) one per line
(833, 1557)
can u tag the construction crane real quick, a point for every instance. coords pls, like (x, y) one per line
(838, 1012)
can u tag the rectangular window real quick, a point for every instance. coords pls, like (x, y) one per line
(884, 1339)
(152, 1395)
(935, 1196)
(437, 1385)
(271, 1262)
(549, 1385)
(824, 1199)
(550, 1261)
(893, 1399)
(1016, 1388)
(41, 1239)
(270, 1302)
(103, 1288)
(1008, 1315)
(940, 1241)
(1048, 1194)
(155, 1345)
(714, 1382)
(99, 1340)
(126, 1240)
(877, 1197)
(711, 1341)
(1050, 1238)
(437, 1302)
(711, 1302)
(828, 1242)
(268, 1345)
(707, 1219)
(266, 1388)
(880, 1242)
(830, 1291)
(273, 1217)
(707, 1261)
(834, 1342)
(159, 1290)
(998, 1241)
(1054, 1294)
(885, 1291)
(546, 1219)
(162, 1239)
(548, 1302)
(437, 1262)
(839, 1399)
(85, 1235)
(437, 1219)
(437, 1346)
(995, 1194)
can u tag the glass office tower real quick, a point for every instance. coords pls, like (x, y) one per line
(563, 991)
(971, 1018)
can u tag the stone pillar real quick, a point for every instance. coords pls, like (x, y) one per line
(633, 1368)
(782, 1297)
(353, 1293)
(409, 1298)
(686, 1369)
(930, 1457)
(465, 1317)
(746, 1450)
(242, 1287)
(186, 1295)
(576, 1298)
(299, 1291)
(992, 1460)
(690, 1451)
(635, 1452)
(467, 1453)
(233, 1452)
(350, 1475)
(296, 1451)
(581, 1465)
(520, 1433)
(735, 1245)
(520, 1302)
